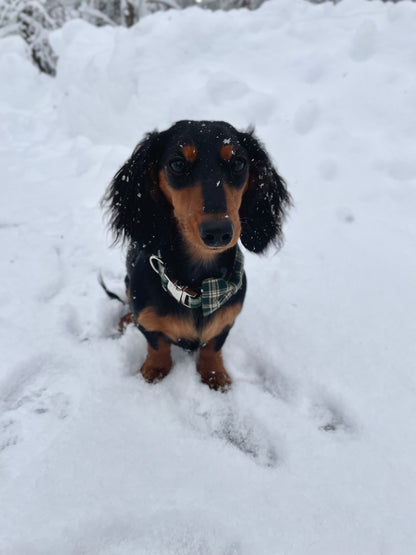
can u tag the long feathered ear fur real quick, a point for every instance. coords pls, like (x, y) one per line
(136, 209)
(266, 201)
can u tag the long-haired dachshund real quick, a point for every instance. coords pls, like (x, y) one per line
(182, 201)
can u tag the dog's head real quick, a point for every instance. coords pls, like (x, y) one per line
(218, 184)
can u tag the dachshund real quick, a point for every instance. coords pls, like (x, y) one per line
(181, 202)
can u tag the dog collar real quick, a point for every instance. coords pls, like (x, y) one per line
(214, 292)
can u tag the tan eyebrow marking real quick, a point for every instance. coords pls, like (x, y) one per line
(226, 152)
(190, 152)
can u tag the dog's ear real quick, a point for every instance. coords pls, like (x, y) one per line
(266, 201)
(136, 209)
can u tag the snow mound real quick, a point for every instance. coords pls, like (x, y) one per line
(312, 450)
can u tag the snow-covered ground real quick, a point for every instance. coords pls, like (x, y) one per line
(313, 450)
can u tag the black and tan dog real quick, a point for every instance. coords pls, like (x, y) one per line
(182, 201)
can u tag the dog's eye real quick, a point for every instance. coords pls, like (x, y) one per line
(177, 165)
(238, 164)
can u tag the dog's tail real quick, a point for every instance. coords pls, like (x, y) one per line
(109, 293)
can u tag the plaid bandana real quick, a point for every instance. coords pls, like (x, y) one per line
(215, 292)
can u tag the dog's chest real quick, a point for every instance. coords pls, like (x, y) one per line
(184, 328)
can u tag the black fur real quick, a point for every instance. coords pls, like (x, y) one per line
(137, 210)
(140, 214)
(265, 203)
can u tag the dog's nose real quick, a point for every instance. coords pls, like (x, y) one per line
(216, 233)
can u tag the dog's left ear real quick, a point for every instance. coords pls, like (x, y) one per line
(266, 201)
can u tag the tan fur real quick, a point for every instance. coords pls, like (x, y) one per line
(226, 152)
(184, 328)
(211, 368)
(158, 362)
(224, 317)
(172, 326)
(188, 210)
(190, 153)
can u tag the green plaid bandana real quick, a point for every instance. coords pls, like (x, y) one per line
(215, 292)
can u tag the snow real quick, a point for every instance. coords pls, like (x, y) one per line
(313, 449)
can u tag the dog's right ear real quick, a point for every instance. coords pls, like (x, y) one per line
(135, 209)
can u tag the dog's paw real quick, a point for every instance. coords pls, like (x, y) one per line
(153, 374)
(218, 380)
(158, 363)
(210, 367)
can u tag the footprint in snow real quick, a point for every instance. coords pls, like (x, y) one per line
(327, 411)
(221, 420)
(9, 434)
(35, 406)
(329, 414)
(262, 372)
(35, 414)
(248, 436)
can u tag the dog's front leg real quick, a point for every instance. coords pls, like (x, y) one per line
(210, 364)
(158, 361)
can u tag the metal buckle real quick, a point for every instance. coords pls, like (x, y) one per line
(153, 259)
(175, 290)
(180, 293)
